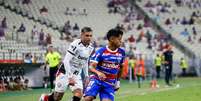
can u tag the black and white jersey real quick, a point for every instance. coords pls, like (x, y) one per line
(77, 57)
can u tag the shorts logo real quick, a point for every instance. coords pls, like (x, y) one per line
(59, 85)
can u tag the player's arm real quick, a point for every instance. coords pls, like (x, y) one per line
(121, 66)
(66, 63)
(46, 62)
(86, 67)
(120, 72)
(93, 70)
(95, 59)
(117, 85)
(46, 59)
(71, 52)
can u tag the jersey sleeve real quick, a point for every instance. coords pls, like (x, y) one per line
(72, 48)
(71, 52)
(96, 57)
(66, 63)
(58, 55)
(46, 58)
(123, 56)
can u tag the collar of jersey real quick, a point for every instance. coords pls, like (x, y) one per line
(111, 50)
(83, 44)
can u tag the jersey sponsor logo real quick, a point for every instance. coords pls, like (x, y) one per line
(118, 58)
(110, 65)
(116, 54)
(106, 54)
(82, 58)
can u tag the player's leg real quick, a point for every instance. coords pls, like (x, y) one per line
(89, 98)
(92, 90)
(159, 71)
(184, 70)
(60, 87)
(170, 71)
(77, 95)
(139, 81)
(54, 96)
(166, 76)
(51, 73)
(107, 93)
(106, 100)
(77, 89)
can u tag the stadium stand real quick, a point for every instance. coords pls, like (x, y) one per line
(61, 19)
(175, 18)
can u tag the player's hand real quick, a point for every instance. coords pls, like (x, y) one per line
(101, 75)
(117, 85)
(71, 82)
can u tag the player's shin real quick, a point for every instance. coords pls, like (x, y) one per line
(77, 95)
(51, 97)
(75, 98)
(56, 96)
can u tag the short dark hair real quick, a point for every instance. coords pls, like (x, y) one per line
(86, 29)
(114, 32)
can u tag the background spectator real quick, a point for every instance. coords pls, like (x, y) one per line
(4, 23)
(21, 28)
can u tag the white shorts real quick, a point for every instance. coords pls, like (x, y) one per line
(61, 83)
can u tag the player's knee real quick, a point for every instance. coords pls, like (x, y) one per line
(75, 98)
(88, 98)
(106, 100)
(78, 93)
(58, 96)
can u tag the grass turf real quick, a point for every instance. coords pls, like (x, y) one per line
(189, 90)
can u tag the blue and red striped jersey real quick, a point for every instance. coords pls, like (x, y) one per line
(108, 62)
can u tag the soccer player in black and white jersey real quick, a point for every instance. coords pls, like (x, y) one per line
(69, 73)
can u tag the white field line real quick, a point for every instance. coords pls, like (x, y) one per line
(147, 91)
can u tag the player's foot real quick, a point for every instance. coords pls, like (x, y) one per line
(44, 97)
(168, 85)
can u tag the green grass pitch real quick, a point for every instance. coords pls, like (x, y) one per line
(189, 90)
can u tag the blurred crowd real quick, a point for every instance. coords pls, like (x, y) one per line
(12, 79)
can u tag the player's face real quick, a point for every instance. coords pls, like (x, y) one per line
(117, 41)
(50, 49)
(86, 37)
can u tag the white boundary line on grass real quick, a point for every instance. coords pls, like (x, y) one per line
(148, 91)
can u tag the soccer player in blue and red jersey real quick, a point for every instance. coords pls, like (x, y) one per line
(106, 65)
